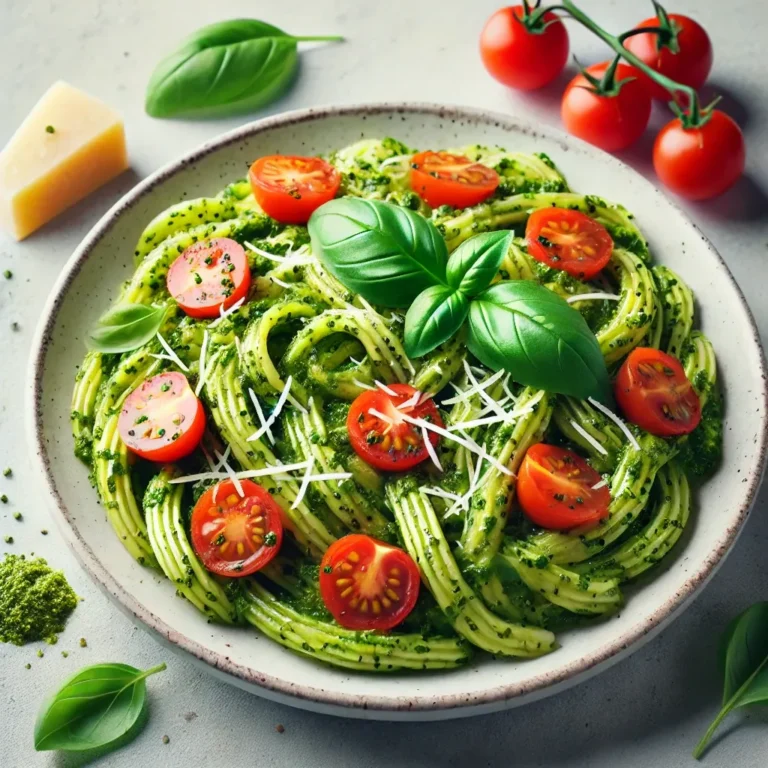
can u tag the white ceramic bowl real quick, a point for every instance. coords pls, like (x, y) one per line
(88, 284)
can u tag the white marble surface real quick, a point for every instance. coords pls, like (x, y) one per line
(647, 711)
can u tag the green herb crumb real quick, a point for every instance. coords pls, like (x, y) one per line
(7, 274)
(35, 600)
(4, 499)
(15, 326)
(8, 539)
(83, 643)
(27, 666)
(7, 472)
(40, 654)
(65, 654)
(50, 129)
(17, 515)
(44, 531)
(166, 740)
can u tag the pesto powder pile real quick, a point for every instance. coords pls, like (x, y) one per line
(35, 600)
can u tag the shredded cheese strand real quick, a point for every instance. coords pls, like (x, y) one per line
(260, 414)
(227, 312)
(171, 354)
(591, 296)
(304, 484)
(201, 373)
(617, 421)
(591, 440)
(275, 413)
(431, 449)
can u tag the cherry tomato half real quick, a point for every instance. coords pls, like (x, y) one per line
(289, 188)
(611, 122)
(691, 63)
(445, 179)
(208, 276)
(236, 535)
(523, 58)
(161, 419)
(555, 488)
(699, 163)
(653, 392)
(367, 584)
(395, 444)
(568, 240)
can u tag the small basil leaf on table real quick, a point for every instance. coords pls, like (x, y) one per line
(383, 252)
(475, 263)
(125, 327)
(543, 342)
(744, 659)
(436, 315)
(223, 69)
(93, 708)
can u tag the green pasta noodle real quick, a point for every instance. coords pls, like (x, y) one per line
(279, 376)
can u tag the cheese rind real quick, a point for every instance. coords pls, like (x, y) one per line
(68, 146)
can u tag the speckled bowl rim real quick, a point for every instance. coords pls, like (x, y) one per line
(383, 707)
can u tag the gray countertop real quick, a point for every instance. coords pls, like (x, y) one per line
(650, 709)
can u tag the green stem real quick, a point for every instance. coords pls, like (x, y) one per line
(153, 671)
(320, 39)
(615, 43)
(727, 707)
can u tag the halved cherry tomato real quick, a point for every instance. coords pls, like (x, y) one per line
(555, 488)
(289, 188)
(653, 392)
(162, 420)
(367, 584)
(208, 276)
(520, 56)
(445, 179)
(236, 535)
(686, 58)
(394, 444)
(568, 240)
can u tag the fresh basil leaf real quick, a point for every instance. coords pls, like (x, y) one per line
(539, 338)
(223, 69)
(386, 253)
(435, 316)
(93, 708)
(125, 327)
(475, 263)
(744, 658)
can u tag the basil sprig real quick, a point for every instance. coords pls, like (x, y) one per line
(386, 253)
(225, 68)
(125, 327)
(394, 257)
(744, 660)
(94, 708)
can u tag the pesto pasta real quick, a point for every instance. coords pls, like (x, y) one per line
(277, 372)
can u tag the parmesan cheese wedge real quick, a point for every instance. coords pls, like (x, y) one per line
(68, 146)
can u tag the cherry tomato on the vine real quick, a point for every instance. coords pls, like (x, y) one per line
(685, 58)
(698, 163)
(367, 584)
(611, 121)
(522, 56)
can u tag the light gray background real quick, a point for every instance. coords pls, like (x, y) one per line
(647, 711)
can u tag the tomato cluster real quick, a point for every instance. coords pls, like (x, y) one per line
(698, 155)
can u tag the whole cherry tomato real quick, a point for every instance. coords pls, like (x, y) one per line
(522, 50)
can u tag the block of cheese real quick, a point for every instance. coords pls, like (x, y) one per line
(68, 146)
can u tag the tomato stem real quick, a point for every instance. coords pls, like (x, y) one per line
(694, 117)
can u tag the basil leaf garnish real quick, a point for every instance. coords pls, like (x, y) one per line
(125, 327)
(223, 69)
(475, 263)
(386, 253)
(539, 338)
(93, 708)
(435, 316)
(744, 659)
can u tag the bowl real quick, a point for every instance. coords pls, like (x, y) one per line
(88, 284)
